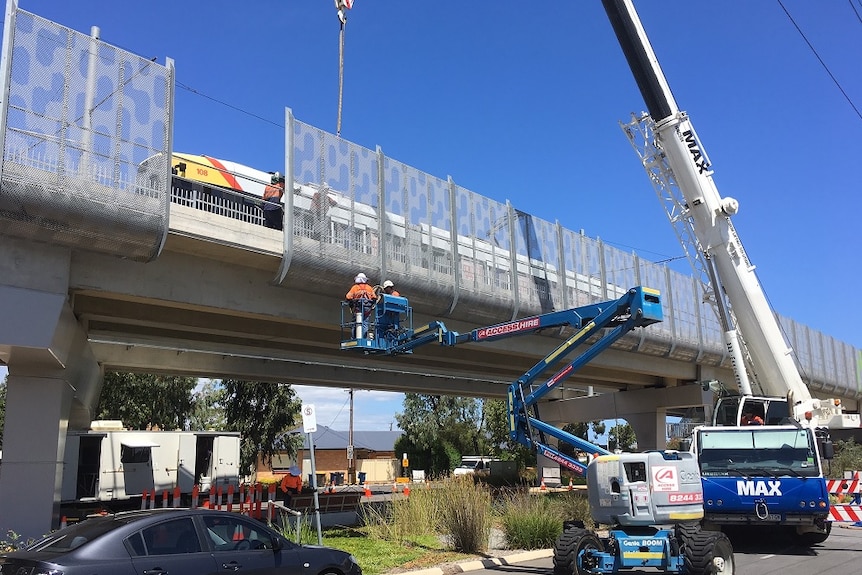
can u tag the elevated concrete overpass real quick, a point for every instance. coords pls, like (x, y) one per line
(111, 262)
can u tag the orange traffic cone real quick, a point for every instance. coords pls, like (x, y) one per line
(394, 487)
(542, 487)
(367, 490)
(406, 490)
(571, 486)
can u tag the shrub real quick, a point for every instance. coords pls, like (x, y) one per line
(572, 505)
(465, 514)
(848, 457)
(528, 522)
(14, 542)
(535, 521)
(404, 518)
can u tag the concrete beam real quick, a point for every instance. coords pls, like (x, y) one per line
(624, 404)
(301, 369)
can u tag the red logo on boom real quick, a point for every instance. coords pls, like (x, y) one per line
(665, 475)
(504, 328)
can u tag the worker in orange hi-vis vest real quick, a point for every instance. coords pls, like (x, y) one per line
(361, 298)
(291, 484)
(391, 320)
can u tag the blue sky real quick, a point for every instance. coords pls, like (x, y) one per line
(520, 101)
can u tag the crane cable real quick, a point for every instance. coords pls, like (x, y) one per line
(340, 76)
(341, 6)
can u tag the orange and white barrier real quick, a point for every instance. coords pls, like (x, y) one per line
(846, 513)
(844, 486)
(849, 486)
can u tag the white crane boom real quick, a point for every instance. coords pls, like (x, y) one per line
(708, 215)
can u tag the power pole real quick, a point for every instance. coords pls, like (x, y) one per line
(351, 466)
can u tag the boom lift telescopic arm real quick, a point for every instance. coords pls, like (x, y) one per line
(639, 307)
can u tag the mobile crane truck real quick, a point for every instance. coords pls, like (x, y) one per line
(653, 501)
(768, 475)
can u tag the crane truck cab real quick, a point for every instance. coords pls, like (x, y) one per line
(766, 475)
(731, 410)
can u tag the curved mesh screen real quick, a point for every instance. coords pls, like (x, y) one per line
(81, 118)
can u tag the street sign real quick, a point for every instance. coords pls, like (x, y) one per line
(309, 419)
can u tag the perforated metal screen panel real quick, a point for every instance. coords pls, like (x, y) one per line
(80, 120)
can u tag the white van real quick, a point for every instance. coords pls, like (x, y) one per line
(472, 463)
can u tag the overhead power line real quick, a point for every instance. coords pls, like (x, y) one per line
(819, 59)
(231, 106)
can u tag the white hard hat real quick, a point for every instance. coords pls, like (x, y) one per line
(388, 283)
(360, 278)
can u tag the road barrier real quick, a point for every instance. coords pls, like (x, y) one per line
(850, 489)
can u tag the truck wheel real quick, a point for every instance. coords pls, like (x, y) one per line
(708, 553)
(809, 538)
(567, 547)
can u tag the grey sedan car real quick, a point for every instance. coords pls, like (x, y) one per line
(181, 541)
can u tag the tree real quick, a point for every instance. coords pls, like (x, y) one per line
(438, 429)
(621, 436)
(208, 407)
(497, 428)
(581, 429)
(264, 414)
(146, 401)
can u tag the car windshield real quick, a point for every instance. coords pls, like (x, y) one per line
(76, 535)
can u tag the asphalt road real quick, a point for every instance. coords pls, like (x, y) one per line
(841, 554)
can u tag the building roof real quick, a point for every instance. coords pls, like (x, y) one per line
(328, 438)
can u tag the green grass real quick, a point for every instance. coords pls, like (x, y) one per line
(377, 556)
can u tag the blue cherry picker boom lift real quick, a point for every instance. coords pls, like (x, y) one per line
(639, 307)
(652, 500)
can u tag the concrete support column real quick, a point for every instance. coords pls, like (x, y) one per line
(649, 428)
(34, 440)
(644, 409)
(54, 382)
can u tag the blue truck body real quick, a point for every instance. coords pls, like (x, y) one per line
(763, 475)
